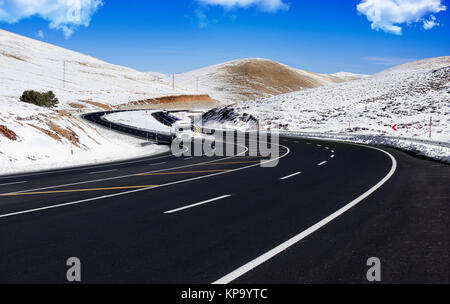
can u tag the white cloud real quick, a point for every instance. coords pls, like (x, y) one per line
(65, 15)
(389, 15)
(430, 23)
(40, 34)
(202, 20)
(265, 5)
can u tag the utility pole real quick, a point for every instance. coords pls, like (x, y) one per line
(64, 75)
(71, 145)
(431, 124)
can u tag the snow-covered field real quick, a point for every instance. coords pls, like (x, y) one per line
(408, 95)
(76, 79)
(44, 139)
(33, 138)
(139, 119)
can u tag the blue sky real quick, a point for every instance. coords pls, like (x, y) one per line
(173, 36)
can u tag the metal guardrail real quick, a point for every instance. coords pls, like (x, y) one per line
(363, 137)
(157, 136)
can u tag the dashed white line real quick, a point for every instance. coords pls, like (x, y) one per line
(332, 151)
(198, 204)
(188, 158)
(14, 183)
(332, 156)
(292, 175)
(288, 151)
(294, 240)
(319, 145)
(322, 163)
(158, 164)
(327, 148)
(105, 171)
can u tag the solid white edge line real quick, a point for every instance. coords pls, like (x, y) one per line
(283, 246)
(86, 167)
(197, 204)
(288, 151)
(13, 183)
(104, 171)
(322, 163)
(292, 175)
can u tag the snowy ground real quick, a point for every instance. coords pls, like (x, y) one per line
(35, 138)
(44, 139)
(76, 79)
(139, 119)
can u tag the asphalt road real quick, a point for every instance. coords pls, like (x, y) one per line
(315, 217)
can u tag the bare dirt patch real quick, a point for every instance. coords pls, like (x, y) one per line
(77, 105)
(97, 104)
(8, 133)
(170, 99)
(47, 132)
(12, 56)
(67, 133)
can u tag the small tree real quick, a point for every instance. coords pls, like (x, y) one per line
(40, 99)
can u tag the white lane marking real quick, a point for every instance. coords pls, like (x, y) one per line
(327, 148)
(14, 183)
(158, 164)
(87, 167)
(105, 171)
(198, 204)
(122, 176)
(292, 175)
(308, 143)
(332, 156)
(322, 163)
(288, 151)
(294, 240)
(332, 151)
(319, 145)
(188, 158)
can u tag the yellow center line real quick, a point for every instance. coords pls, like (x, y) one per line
(183, 172)
(79, 190)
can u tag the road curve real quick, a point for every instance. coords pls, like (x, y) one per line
(167, 219)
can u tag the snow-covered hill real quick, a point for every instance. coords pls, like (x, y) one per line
(407, 95)
(77, 80)
(250, 79)
(33, 137)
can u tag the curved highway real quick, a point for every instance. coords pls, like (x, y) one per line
(315, 217)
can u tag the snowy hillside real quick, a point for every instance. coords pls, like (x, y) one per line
(33, 138)
(250, 79)
(28, 64)
(407, 95)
